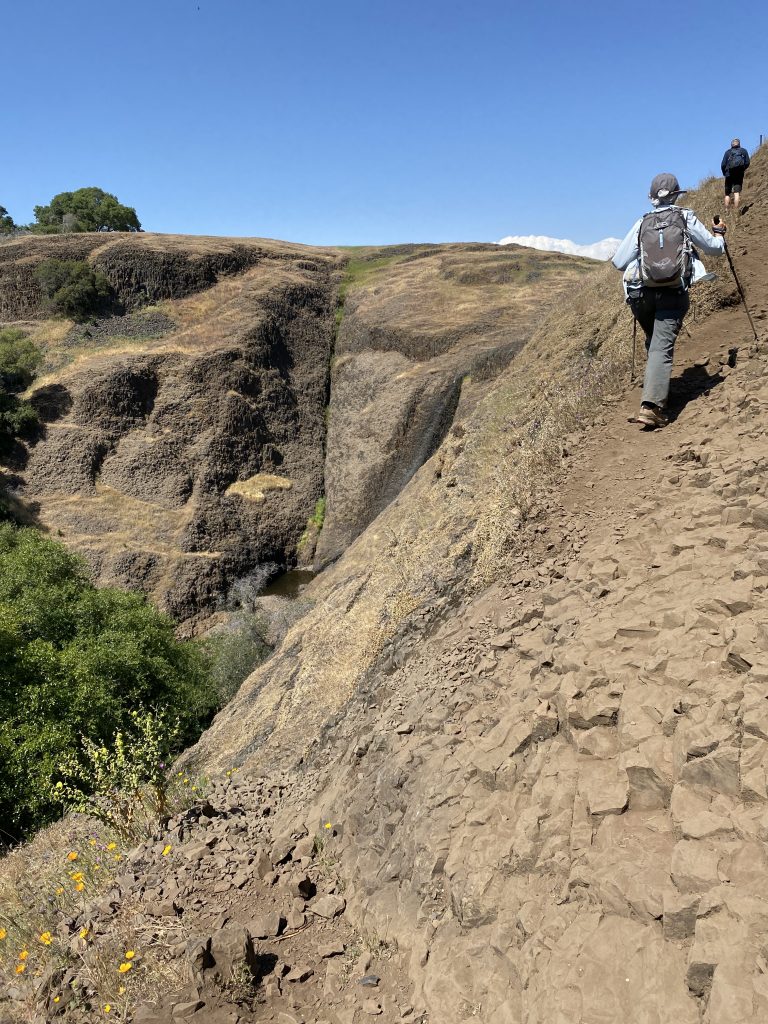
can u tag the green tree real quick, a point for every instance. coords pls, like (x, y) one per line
(73, 288)
(90, 208)
(6, 222)
(19, 359)
(77, 661)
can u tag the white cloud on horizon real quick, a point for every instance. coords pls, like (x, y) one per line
(602, 250)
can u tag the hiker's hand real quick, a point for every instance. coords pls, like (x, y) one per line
(719, 228)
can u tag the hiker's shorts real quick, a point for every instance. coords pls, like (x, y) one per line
(733, 182)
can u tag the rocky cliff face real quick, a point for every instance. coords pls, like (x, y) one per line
(180, 467)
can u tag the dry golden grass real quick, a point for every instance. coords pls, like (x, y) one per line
(256, 487)
(427, 301)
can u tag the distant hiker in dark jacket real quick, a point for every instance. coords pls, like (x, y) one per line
(657, 258)
(733, 165)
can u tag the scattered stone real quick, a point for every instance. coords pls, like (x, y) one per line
(328, 907)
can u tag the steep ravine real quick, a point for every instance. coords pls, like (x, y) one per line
(187, 443)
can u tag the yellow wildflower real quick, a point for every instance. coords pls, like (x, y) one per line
(124, 968)
(118, 857)
(92, 842)
(80, 886)
(46, 938)
(107, 1007)
(111, 846)
(130, 954)
(57, 999)
(20, 968)
(72, 856)
(83, 933)
(23, 954)
(167, 849)
(60, 890)
(327, 825)
(121, 990)
(3, 934)
(77, 876)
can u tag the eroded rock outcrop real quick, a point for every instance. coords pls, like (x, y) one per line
(154, 464)
(431, 327)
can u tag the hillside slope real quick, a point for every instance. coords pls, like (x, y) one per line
(423, 328)
(183, 446)
(186, 443)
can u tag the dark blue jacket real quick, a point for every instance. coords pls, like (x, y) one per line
(728, 157)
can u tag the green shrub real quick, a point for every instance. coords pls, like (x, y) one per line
(125, 784)
(77, 661)
(74, 289)
(19, 358)
(232, 656)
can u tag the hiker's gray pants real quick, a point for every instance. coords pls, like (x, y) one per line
(660, 312)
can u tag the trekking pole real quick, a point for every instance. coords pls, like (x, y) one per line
(738, 284)
(634, 347)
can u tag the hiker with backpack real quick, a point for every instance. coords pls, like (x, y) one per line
(657, 257)
(733, 165)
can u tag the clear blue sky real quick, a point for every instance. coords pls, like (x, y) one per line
(332, 121)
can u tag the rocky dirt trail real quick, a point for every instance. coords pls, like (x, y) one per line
(556, 806)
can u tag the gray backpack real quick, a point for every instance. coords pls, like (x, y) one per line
(665, 249)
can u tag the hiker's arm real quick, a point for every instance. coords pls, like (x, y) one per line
(628, 249)
(723, 164)
(746, 165)
(712, 245)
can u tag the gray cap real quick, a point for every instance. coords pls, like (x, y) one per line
(665, 185)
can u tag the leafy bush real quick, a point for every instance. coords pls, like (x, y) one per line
(125, 785)
(232, 655)
(86, 209)
(77, 661)
(73, 288)
(19, 358)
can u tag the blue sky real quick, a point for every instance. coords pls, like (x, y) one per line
(350, 123)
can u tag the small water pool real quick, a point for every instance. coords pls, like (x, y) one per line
(290, 584)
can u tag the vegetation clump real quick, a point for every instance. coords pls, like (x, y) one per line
(86, 209)
(72, 288)
(7, 227)
(19, 359)
(77, 661)
(233, 654)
